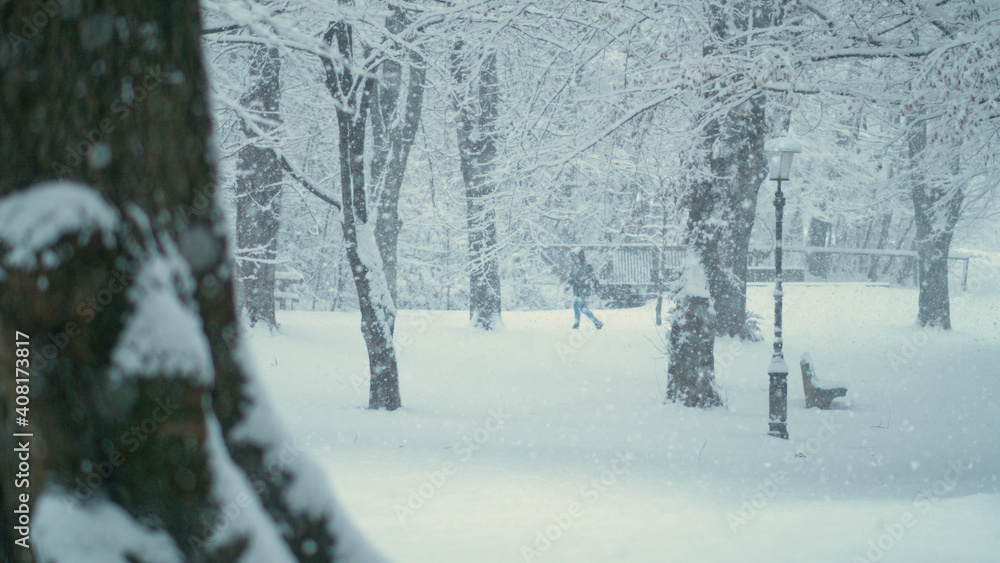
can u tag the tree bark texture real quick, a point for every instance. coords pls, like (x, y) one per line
(936, 210)
(478, 104)
(258, 190)
(394, 134)
(378, 312)
(721, 203)
(818, 264)
(738, 173)
(113, 97)
(736, 163)
(691, 346)
(691, 375)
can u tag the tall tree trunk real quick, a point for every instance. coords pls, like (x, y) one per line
(478, 104)
(378, 312)
(737, 169)
(818, 264)
(936, 210)
(883, 238)
(658, 281)
(721, 205)
(738, 172)
(906, 265)
(258, 190)
(691, 345)
(139, 405)
(393, 138)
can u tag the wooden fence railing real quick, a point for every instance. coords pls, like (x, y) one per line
(633, 264)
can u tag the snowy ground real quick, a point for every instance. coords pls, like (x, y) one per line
(540, 443)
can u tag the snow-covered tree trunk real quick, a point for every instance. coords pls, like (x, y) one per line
(691, 345)
(393, 137)
(378, 312)
(885, 224)
(658, 281)
(258, 190)
(478, 103)
(721, 202)
(818, 264)
(738, 171)
(150, 438)
(936, 210)
(735, 142)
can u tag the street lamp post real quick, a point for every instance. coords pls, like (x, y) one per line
(780, 153)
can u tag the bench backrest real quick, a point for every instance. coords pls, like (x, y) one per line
(635, 265)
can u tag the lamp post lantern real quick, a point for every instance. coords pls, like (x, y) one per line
(780, 153)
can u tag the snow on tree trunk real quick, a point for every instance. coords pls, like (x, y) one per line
(738, 172)
(151, 440)
(258, 190)
(478, 103)
(936, 210)
(721, 200)
(721, 209)
(393, 138)
(691, 345)
(734, 142)
(378, 311)
(818, 264)
(885, 223)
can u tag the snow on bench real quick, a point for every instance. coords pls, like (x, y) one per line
(819, 393)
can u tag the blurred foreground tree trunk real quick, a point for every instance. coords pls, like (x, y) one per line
(150, 439)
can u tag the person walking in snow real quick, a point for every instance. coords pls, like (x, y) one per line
(583, 282)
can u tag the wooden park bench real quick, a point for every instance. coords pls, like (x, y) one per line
(818, 393)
